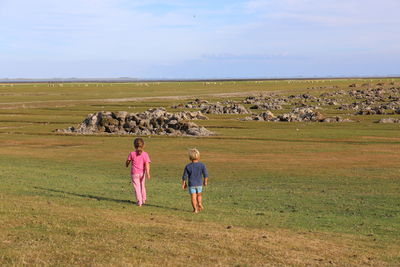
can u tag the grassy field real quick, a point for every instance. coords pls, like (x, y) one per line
(280, 193)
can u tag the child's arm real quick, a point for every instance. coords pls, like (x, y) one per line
(127, 163)
(185, 176)
(184, 185)
(147, 165)
(205, 175)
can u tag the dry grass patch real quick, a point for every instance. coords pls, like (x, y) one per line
(38, 232)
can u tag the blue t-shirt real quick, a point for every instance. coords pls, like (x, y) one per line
(195, 172)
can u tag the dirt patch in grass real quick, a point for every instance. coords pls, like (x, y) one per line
(13, 127)
(381, 138)
(44, 143)
(37, 122)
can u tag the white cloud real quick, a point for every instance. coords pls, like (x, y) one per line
(329, 12)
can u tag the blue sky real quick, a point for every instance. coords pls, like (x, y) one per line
(198, 39)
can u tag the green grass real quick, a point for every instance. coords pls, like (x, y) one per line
(67, 199)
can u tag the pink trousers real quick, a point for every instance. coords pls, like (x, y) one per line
(138, 182)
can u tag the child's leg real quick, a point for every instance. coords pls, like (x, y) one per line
(143, 188)
(199, 203)
(194, 202)
(137, 188)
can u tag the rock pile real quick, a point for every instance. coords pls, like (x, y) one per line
(296, 115)
(390, 108)
(225, 109)
(336, 119)
(263, 116)
(376, 94)
(305, 96)
(302, 114)
(266, 106)
(271, 100)
(352, 106)
(361, 99)
(197, 103)
(151, 122)
(389, 120)
(228, 102)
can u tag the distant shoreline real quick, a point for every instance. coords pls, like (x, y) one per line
(129, 80)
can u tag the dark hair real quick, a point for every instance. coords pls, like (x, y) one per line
(138, 143)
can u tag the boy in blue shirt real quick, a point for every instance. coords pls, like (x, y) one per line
(197, 176)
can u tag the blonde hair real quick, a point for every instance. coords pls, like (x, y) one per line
(138, 143)
(194, 154)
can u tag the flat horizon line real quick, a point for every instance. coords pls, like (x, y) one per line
(130, 79)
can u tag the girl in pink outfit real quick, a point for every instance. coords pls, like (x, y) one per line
(140, 167)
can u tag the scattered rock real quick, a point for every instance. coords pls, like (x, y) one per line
(302, 114)
(225, 109)
(197, 103)
(389, 120)
(266, 106)
(264, 116)
(272, 99)
(297, 115)
(336, 119)
(353, 106)
(379, 110)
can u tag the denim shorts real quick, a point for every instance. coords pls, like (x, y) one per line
(195, 189)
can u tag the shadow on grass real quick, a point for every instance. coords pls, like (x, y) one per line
(99, 198)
